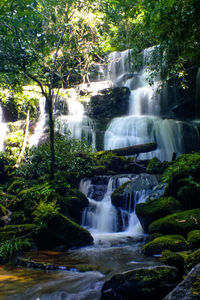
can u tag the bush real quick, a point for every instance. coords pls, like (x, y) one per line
(71, 155)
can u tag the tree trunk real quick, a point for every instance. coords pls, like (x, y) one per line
(131, 150)
(51, 136)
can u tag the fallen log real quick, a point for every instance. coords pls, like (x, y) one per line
(131, 150)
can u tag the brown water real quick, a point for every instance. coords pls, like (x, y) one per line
(89, 268)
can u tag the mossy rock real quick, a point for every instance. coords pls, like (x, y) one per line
(167, 242)
(155, 166)
(109, 103)
(191, 260)
(117, 197)
(61, 231)
(179, 172)
(73, 204)
(193, 239)
(173, 259)
(188, 194)
(155, 209)
(177, 223)
(143, 283)
(13, 231)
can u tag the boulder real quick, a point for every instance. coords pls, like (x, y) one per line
(61, 231)
(191, 260)
(155, 166)
(124, 195)
(155, 209)
(189, 288)
(73, 204)
(177, 223)
(13, 231)
(193, 239)
(141, 283)
(167, 242)
(173, 259)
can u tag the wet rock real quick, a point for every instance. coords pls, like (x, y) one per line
(61, 231)
(155, 209)
(124, 197)
(177, 223)
(141, 284)
(193, 239)
(189, 288)
(167, 242)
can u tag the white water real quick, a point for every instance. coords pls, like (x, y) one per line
(40, 125)
(76, 122)
(143, 123)
(3, 129)
(102, 219)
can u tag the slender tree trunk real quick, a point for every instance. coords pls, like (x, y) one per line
(51, 136)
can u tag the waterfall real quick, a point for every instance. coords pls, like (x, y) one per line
(79, 125)
(3, 129)
(101, 218)
(40, 125)
(144, 124)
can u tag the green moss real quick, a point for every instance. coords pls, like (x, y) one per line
(193, 239)
(173, 259)
(192, 260)
(196, 286)
(177, 223)
(155, 209)
(168, 242)
(117, 196)
(185, 167)
(155, 166)
(61, 231)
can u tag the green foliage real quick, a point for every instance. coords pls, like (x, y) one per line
(44, 212)
(17, 104)
(10, 248)
(155, 166)
(14, 142)
(71, 155)
(184, 165)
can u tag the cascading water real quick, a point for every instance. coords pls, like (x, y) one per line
(143, 123)
(40, 125)
(79, 125)
(101, 217)
(3, 129)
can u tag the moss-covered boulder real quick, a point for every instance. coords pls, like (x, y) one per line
(73, 204)
(59, 230)
(155, 166)
(118, 196)
(143, 283)
(168, 242)
(177, 223)
(124, 195)
(188, 194)
(191, 260)
(13, 231)
(193, 239)
(185, 171)
(173, 259)
(155, 209)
